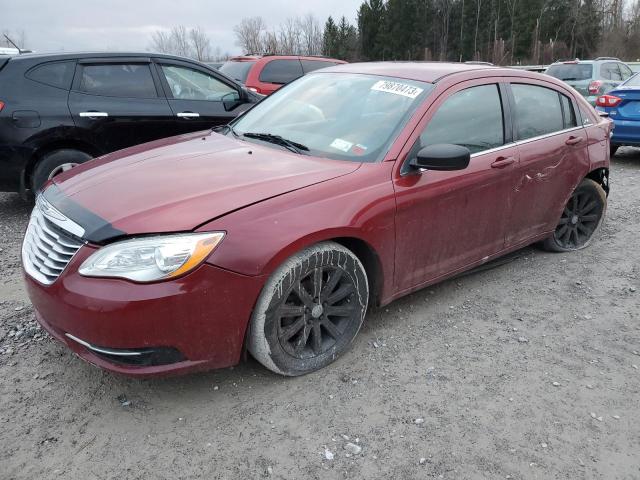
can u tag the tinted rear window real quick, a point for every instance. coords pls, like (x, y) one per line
(118, 80)
(571, 71)
(281, 71)
(237, 70)
(57, 74)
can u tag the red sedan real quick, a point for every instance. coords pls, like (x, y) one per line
(348, 188)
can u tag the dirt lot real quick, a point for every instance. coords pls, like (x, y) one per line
(527, 370)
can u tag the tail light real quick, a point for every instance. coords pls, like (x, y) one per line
(608, 101)
(1, 105)
(594, 87)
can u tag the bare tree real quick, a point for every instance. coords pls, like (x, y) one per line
(200, 44)
(249, 33)
(311, 34)
(289, 37)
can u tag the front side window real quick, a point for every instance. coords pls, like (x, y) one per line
(470, 118)
(342, 116)
(281, 71)
(537, 111)
(118, 80)
(188, 84)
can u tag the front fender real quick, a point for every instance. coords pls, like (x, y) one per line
(359, 206)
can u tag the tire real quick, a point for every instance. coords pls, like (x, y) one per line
(613, 149)
(580, 220)
(316, 332)
(56, 162)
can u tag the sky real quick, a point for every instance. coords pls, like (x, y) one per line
(68, 25)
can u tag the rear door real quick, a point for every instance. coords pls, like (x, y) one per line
(553, 157)
(197, 96)
(117, 103)
(278, 72)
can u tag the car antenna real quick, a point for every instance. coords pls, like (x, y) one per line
(13, 43)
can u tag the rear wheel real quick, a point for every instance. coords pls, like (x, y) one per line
(310, 310)
(580, 220)
(54, 163)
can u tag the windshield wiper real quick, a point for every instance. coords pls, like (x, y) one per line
(278, 140)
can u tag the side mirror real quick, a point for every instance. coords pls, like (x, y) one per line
(231, 100)
(442, 157)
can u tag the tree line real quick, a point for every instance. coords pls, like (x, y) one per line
(504, 32)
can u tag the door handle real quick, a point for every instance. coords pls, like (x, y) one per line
(502, 162)
(573, 140)
(187, 114)
(93, 114)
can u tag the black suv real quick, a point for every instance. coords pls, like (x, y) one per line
(60, 110)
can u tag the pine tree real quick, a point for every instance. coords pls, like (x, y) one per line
(330, 39)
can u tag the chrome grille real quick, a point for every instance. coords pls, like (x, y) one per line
(49, 244)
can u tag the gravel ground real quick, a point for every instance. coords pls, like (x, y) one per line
(526, 370)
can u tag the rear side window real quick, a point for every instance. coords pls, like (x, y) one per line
(56, 74)
(610, 71)
(118, 80)
(570, 72)
(568, 113)
(538, 111)
(626, 71)
(471, 118)
(311, 65)
(281, 71)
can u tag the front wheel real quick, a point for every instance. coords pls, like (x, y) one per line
(310, 310)
(581, 218)
(54, 163)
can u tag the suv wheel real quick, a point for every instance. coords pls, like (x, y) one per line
(56, 162)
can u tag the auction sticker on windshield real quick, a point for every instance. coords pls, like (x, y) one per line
(397, 88)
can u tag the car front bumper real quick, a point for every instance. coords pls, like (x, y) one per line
(192, 323)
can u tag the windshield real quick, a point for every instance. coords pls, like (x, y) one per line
(632, 82)
(571, 71)
(342, 116)
(237, 70)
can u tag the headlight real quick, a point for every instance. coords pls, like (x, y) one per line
(151, 258)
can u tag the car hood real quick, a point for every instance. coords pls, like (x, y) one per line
(180, 183)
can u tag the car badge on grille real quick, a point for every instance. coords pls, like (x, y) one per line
(47, 209)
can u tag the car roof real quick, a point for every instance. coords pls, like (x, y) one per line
(429, 72)
(79, 55)
(246, 58)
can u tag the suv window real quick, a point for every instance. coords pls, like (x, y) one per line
(610, 71)
(538, 110)
(237, 70)
(56, 74)
(471, 118)
(570, 72)
(118, 80)
(188, 84)
(311, 65)
(626, 71)
(281, 71)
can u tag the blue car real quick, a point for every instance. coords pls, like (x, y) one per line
(623, 106)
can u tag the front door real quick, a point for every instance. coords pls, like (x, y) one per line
(448, 220)
(197, 97)
(116, 104)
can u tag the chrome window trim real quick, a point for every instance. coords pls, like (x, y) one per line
(106, 351)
